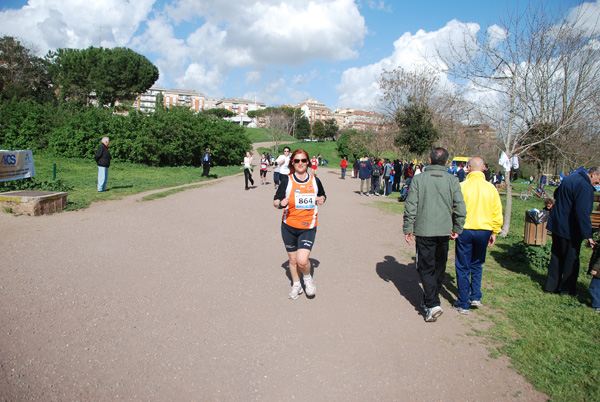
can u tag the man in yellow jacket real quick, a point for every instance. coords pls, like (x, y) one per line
(484, 221)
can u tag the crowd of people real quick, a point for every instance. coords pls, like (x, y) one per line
(463, 206)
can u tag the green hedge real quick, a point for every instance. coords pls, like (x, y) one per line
(171, 137)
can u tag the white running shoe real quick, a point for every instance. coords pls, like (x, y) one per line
(433, 314)
(296, 291)
(310, 287)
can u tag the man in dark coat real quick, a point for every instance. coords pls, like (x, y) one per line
(102, 158)
(206, 162)
(570, 223)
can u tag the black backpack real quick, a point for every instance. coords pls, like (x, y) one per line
(376, 172)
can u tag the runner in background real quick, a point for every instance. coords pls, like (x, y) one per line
(264, 164)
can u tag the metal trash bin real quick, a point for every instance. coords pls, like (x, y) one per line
(535, 227)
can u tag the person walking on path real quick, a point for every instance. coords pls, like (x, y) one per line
(264, 165)
(300, 194)
(434, 213)
(570, 223)
(355, 168)
(248, 169)
(364, 174)
(206, 163)
(281, 166)
(344, 165)
(484, 221)
(102, 158)
(375, 178)
(314, 164)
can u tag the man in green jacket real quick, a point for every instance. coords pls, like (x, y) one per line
(434, 213)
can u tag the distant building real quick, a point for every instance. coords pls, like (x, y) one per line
(197, 102)
(314, 110)
(359, 120)
(241, 107)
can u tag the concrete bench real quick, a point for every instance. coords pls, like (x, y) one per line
(33, 202)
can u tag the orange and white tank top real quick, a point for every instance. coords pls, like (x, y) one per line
(302, 210)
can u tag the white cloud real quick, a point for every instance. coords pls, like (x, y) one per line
(359, 86)
(52, 24)
(587, 16)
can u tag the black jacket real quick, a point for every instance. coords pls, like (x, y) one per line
(102, 156)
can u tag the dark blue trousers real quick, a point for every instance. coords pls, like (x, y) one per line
(470, 251)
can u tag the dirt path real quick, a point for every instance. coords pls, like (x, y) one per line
(185, 299)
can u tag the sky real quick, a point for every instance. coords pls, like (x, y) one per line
(274, 52)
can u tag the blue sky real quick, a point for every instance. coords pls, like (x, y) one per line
(276, 52)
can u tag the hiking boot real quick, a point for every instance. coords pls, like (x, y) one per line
(296, 291)
(476, 303)
(310, 288)
(433, 314)
(461, 310)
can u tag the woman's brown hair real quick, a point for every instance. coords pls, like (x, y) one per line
(296, 152)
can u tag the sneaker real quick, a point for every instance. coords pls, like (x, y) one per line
(597, 310)
(310, 287)
(461, 310)
(476, 303)
(433, 314)
(423, 306)
(296, 291)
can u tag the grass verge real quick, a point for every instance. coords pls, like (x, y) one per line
(553, 341)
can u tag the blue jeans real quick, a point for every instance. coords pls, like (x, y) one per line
(595, 292)
(471, 247)
(102, 178)
(343, 173)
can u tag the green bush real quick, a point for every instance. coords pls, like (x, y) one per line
(173, 137)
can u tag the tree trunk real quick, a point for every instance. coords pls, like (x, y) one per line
(508, 209)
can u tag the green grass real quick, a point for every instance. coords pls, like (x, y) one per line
(261, 135)
(124, 179)
(328, 149)
(554, 341)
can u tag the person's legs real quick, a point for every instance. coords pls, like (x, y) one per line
(102, 178)
(568, 283)
(426, 269)
(276, 179)
(554, 275)
(462, 262)
(595, 292)
(246, 178)
(343, 173)
(441, 258)
(481, 239)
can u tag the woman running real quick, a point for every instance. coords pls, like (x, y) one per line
(264, 164)
(248, 169)
(299, 195)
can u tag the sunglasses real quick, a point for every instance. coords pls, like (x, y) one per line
(300, 160)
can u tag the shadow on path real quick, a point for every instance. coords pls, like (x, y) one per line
(406, 279)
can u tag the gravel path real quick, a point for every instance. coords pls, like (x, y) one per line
(184, 298)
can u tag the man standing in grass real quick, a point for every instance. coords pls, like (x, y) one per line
(103, 160)
(434, 213)
(206, 162)
(484, 221)
(570, 223)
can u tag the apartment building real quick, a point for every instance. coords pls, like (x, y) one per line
(358, 120)
(314, 110)
(241, 107)
(197, 102)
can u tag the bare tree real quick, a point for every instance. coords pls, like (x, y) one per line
(534, 68)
